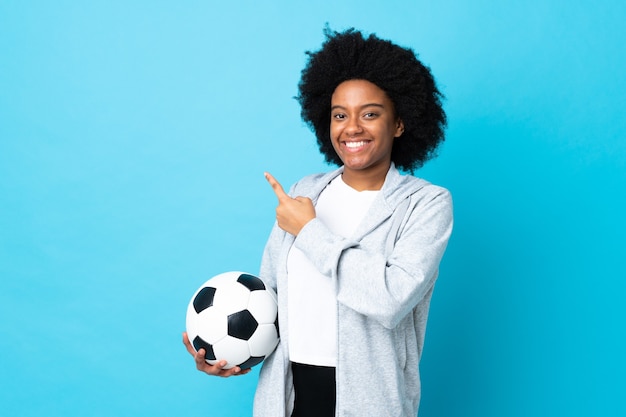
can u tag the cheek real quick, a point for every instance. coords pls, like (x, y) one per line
(334, 132)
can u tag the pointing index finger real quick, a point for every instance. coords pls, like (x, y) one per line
(278, 189)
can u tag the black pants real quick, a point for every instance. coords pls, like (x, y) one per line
(315, 390)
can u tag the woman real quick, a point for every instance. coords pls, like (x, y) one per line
(354, 254)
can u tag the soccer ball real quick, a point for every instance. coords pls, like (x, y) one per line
(234, 317)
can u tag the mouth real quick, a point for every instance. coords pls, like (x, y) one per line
(355, 146)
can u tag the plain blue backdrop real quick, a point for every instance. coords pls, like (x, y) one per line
(133, 140)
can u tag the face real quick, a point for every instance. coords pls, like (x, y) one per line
(363, 126)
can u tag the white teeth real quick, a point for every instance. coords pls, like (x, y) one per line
(355, 144)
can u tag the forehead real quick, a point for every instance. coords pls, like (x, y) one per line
(359, 92)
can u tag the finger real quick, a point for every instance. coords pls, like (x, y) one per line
(219, 370)
(244, 371)
(199, 357)
(236, 371)
(215, 369)
(230, 372)
(278, 189)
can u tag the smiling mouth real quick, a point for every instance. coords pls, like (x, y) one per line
(355, 145)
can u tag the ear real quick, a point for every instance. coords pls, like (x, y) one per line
(399, 128)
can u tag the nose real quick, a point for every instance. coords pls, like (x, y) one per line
(354, 126)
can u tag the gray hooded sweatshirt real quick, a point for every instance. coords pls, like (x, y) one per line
(384, 277)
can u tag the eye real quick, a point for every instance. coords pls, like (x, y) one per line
(370, 115)
(338, 116)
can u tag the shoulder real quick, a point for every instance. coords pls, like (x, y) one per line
(309, 180)
(399, 187)
(429, 192)
(312, 184)
(433, 190)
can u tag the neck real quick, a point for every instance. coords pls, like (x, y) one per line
(365, 180)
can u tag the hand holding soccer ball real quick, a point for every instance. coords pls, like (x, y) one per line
(232, 324)
(204, 366)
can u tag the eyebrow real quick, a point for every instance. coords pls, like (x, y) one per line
(362, 107)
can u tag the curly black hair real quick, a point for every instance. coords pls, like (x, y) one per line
(396, 70)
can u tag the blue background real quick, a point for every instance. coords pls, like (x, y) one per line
(133, 138)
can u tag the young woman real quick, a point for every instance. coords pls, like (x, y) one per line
(355, 252)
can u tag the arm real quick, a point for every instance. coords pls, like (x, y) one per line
(385, 288)
(268, 267)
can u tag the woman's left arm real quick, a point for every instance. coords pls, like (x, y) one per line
(380, 286)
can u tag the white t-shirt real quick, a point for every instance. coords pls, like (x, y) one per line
(312, 299)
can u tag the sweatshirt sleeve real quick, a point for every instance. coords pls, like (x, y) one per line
(268, 269)
(385, 287)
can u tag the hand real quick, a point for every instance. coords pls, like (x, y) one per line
(292, 213)
(217, 369)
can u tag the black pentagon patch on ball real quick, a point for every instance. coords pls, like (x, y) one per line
(242, 325)
(253, 360)
(251, 282)
(198, 344)
(204, 299)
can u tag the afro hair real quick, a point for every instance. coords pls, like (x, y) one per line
(396, 70)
